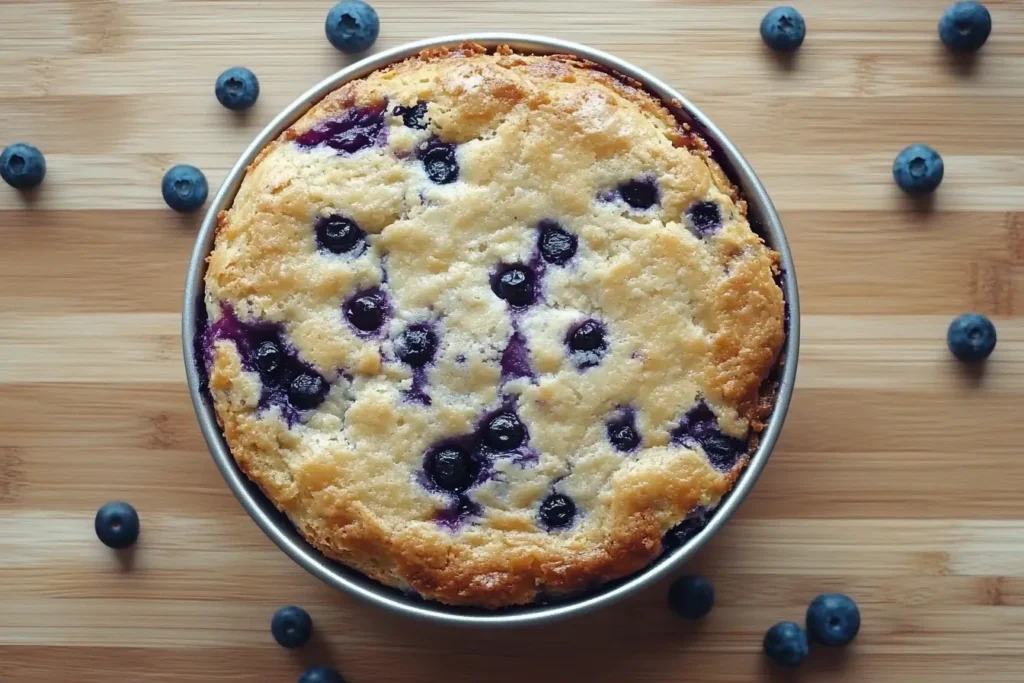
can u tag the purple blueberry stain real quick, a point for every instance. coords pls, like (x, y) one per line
(640, 194)
(555, 244)
(414, 116)
(705, 217)
(439, 161)
(355, 130)
(457, 513)
(515, 359)
(367, 311)
(340, 235)
(587, 342)
(699, 426)
(622, 431)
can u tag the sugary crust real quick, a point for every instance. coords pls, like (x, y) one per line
(689, 318)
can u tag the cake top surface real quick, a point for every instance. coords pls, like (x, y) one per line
(487, 325)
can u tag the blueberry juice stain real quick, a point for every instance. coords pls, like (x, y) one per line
(699, 426)
(355, 130)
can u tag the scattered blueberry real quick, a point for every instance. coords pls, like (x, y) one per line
(557, 511)
(516, 286)
(413, 117)
(416, 345)
(450, 468)
(352, 26)
(557, 245)
(320, 674)
(639, 194)
(705, 217)
(340, 235)
(237, 88)
(965, 26)
(440, 163)
(785, 643)
(691, 597)
(918, 169)
(269, 359)
(366, 311)
(971, 337)
(832, 619)
(291, 626)
(622, 433)
(117, 525)
(783, 29)
(22, 166)
(307, 391)
(504, 432)
(184, 188)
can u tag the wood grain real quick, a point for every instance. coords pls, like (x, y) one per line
(899, 476)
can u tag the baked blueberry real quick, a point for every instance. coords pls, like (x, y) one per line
(450, 468)
(356, 129)
(832, 619)
(639, 194)
(691, 596)
(291, 626)
(918, 169)
(269, 359)
(352, 26)
(785, 643)
(22, 166)
(705, 217)
(504, 432)
(622, 433)
(587, 336)
(557, 245)
(965, 26)
(307, 391)
(439, 163)
(416, 345)
(340, 235)
(516, 285)
(684, 531)
(366, 311)
(320, 674)
(117, 525)
(237, 88)
(184, 188)
(414, 116)
(557, 511)
(971, 337)
(783, 29)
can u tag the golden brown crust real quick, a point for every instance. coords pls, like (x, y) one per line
(691, 316)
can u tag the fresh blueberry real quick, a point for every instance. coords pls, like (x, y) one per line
(184, 188)
(269, 359)
(705, 217)
(516, 286)
(440, 163)
(307, 391)
(691, 597)
(366, 311)
(117, 525)
(414, 116)
(785, 643)
(557, 245)
(504, 432)
(557, 511)
(832, 619)
(971, 337)
(965, 26)
(416, 345)
(918, 169)
(320, 674)
(352, 26)
(291, 626)
(340, 235)
(622, 434)
(783, 29)
(237, 88)
(639, 194)
(22, 166)
(450, 468)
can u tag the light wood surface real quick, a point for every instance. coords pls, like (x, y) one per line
(899, 478)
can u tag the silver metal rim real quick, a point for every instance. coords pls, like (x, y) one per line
(277, 527)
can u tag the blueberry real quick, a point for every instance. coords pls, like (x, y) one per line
(622, 434)
(22, 166)
(785, 643)
(352, 26)
(366, 311)
(440, 163)
(588, 336)
(504, 432)
(705, 217)
(320, 674)
(307, 391)
(291, 626)
(832, 619)
(971, 337)
(450, 468)
(516, 286)
(557, 511)
(416, 345)
(783, 29)
(639, 194)
(117, 525)
(184, 188)
(237, 88)
(691, 597)
(918, 169)
(340, 235)
(356, 129)
(965, 26)
(414, 116)
(269, 359)
(557, 245)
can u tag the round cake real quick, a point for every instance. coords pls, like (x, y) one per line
(490, 327)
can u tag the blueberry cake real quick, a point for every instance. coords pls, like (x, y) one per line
(490, 327)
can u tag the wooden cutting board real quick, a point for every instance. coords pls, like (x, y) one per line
(899, 478)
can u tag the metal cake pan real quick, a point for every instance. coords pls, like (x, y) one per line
(762, 214)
